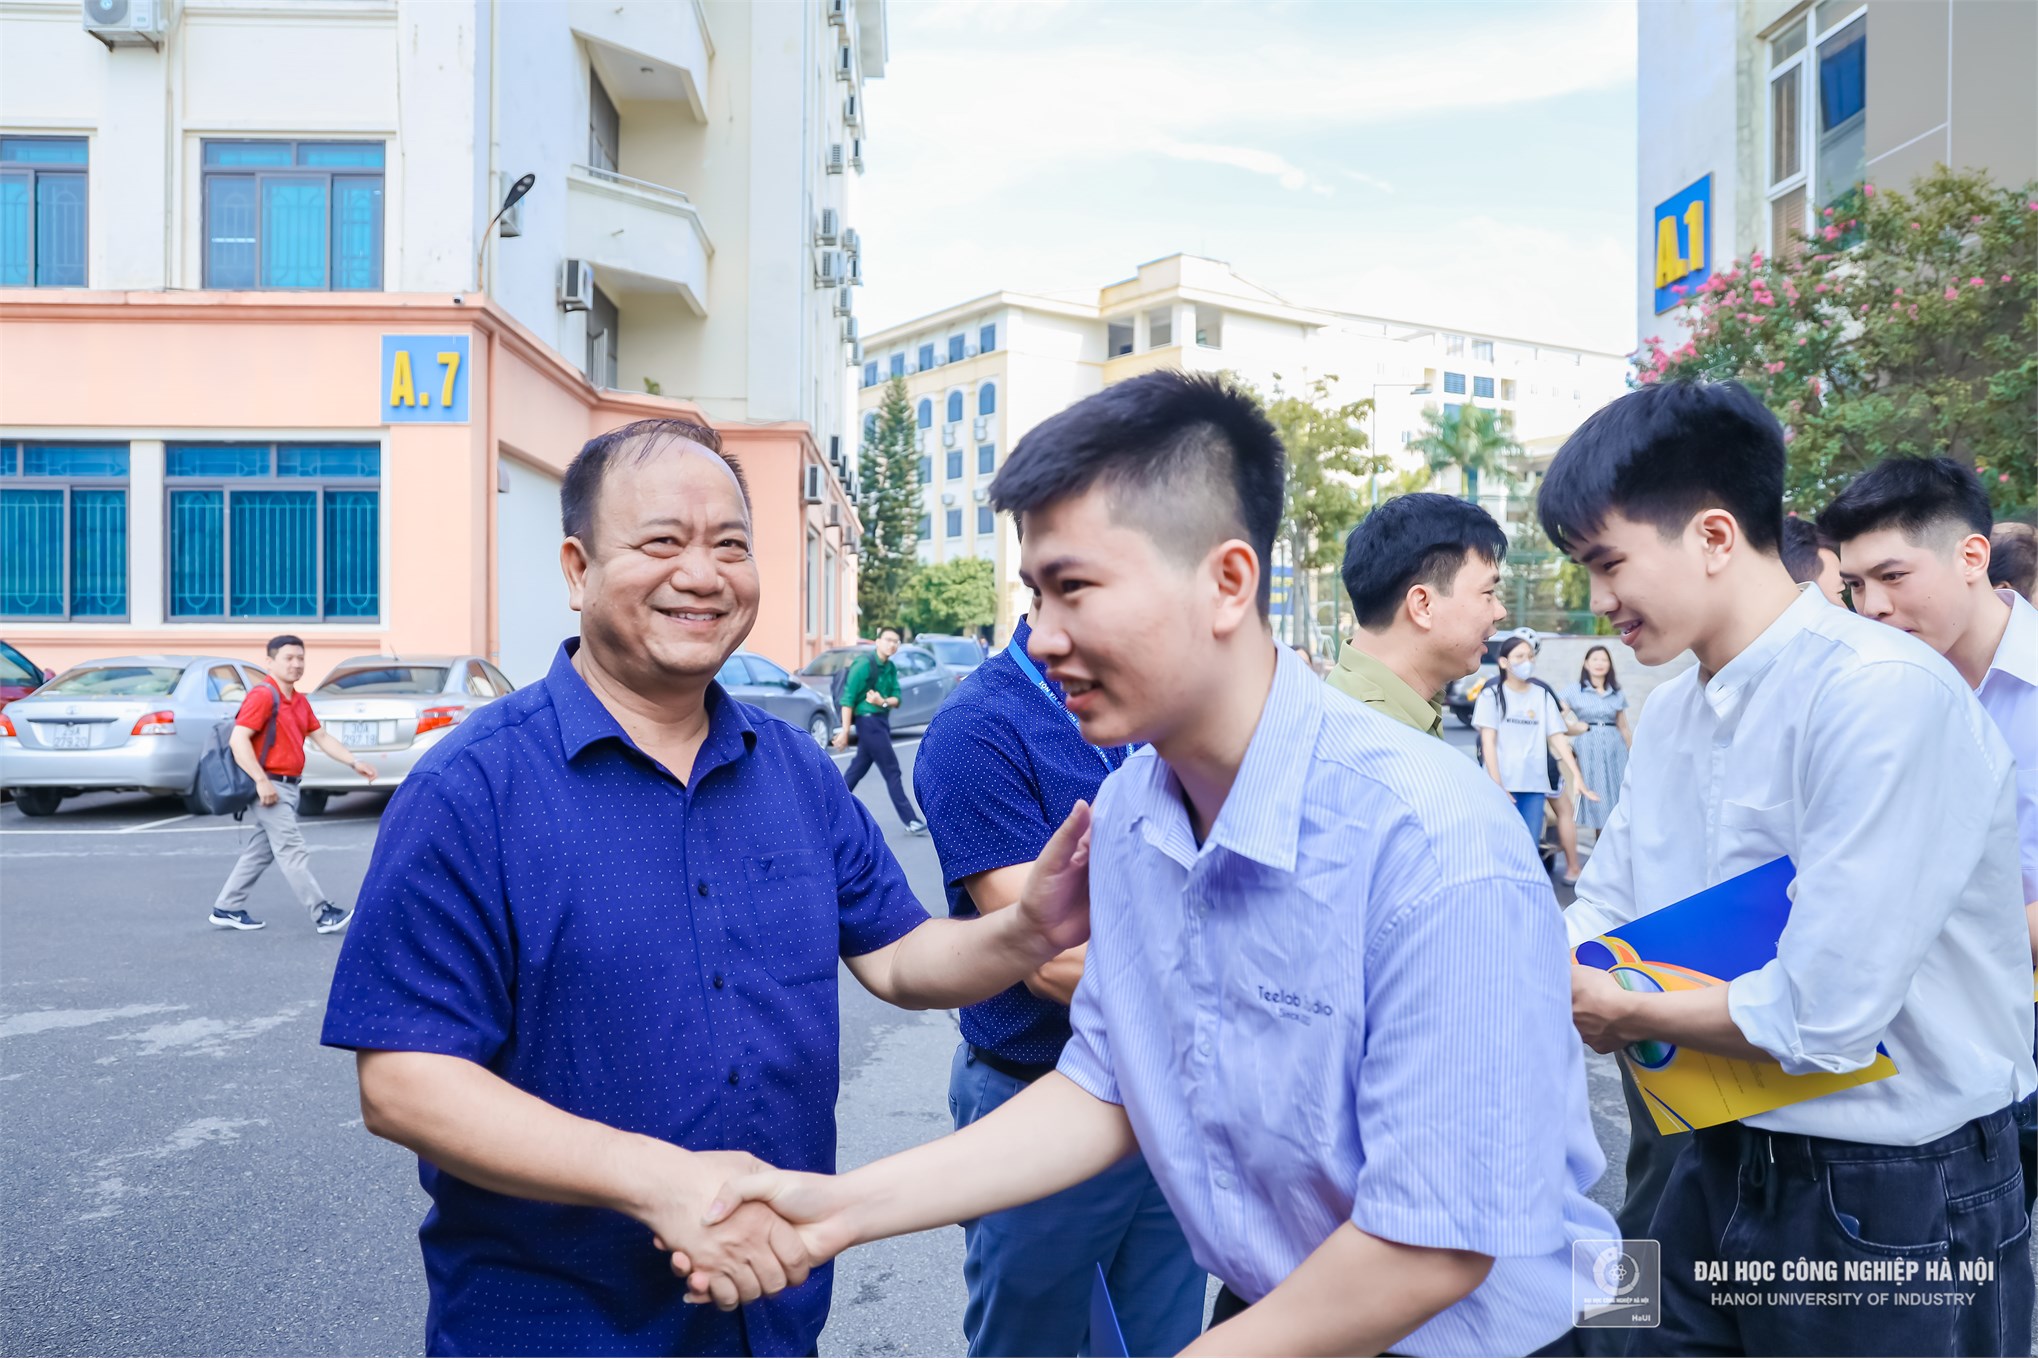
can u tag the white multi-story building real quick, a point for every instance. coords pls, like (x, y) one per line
(219, 219)
(981, 374)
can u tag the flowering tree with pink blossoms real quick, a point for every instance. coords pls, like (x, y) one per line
(1906, 323)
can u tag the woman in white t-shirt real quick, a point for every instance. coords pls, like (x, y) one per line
(1520, 726)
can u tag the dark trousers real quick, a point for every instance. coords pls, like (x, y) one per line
(874, 747)
(1738, 1194)
(1230, 1304)
(1650, 1156)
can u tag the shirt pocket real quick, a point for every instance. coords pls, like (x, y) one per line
(788, 922)
(1752, 835)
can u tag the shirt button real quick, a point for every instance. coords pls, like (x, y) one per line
(732, 1075)
(718, 981)
(702, 886)
(1204, 1047)
(1223, 1180)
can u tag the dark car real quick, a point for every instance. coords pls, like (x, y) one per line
(924, 683)
(19, 676)
(766, 684)
(1461, 694)
(959, 654)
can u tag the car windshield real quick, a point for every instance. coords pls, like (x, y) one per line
(15, 668)
(115, 681)
(955, 651)
(386, 679)
(828, 662)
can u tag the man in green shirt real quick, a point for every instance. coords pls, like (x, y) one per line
(869, 693)
(1423, 573)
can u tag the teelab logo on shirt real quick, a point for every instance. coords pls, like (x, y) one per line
(1293, 1005)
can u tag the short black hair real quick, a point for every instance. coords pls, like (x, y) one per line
(1190, 459)
(1411, 540)
(1801, 543)
(1918, 497)
(284, 639)
(2013, 557)
(581, 487)
(879, 634)
(1661, 454)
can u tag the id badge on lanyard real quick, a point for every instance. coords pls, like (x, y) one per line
(1032, 672)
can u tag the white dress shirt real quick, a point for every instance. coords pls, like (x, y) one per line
(1859, 752)
(2010, 694)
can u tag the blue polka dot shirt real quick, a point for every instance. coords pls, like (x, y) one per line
(547, 901)
(998, 769)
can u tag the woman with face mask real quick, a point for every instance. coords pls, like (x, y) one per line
(1521, 726)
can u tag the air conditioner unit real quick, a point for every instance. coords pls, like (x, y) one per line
(852, 111)
(511, 223)
(851, 242)
(948, 439)
(828, 268)
(969, 349)
(948, 497)
(824, 234)
(849, 330)
(838, 13)
(126, 23)
(856, 270)
(856, 354)
(835, 158)
(982, 428)
(981, 494)
(576, 285)
(845, 301)
(941, 360)
(856, 155)
(845, 62)
(835, 451)
(811, 492)
(834, 519)
(920, 440)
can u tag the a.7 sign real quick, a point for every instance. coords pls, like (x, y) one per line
(424, 379)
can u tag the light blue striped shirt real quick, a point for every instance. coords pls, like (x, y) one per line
(1352, 1001)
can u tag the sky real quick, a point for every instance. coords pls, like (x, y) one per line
(1463, 163)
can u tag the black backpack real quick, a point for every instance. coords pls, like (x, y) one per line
(222, 786)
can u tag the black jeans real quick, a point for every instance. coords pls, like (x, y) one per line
(874, 747)
(1740, 1195)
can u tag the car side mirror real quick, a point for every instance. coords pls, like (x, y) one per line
(48, 674)
(790, 683)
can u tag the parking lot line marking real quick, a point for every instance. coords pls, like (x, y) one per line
(148, 825)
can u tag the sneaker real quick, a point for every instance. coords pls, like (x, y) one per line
(233, 920)
(916, 828)
(332, 919)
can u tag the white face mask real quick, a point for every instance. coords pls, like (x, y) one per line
(1524, 669)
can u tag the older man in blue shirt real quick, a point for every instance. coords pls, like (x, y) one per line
(593, 971)
(1327, 990)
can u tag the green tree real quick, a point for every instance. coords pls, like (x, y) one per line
(888, 503)
(1475, 440)
(1905, 323)
(952, 596)
(1329, 458)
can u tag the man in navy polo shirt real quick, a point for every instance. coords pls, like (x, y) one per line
(1002, 765)
(593, 970)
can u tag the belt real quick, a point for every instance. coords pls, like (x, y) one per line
(1024, 1072)
(1602, 724)
(284, 778)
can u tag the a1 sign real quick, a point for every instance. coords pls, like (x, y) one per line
(424, 379)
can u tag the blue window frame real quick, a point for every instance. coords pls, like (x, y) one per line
(63, 530)
(870, 373)
(1454, 384)
(1451, 409)
(42, 212)
(987, 520)
(955, 464)
(274, 530)
(926, 527)
(954, 407)
(987, 458)
(898, 366)
(955, 349)
(1482, 386)
(926, 468)
(954, 524)
(987, 399)
(926, 357)
(925, 413)
(987, 339)
(304, 215)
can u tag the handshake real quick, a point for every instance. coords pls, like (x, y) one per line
(738, 1230)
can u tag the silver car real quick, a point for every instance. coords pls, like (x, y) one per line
(959, 655)
(132, 723)
(924, 683)
(766, 684)
(390, 710)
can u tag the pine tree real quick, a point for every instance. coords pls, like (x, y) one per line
(889, 505)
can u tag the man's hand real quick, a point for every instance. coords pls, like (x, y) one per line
(738, 1256)
(874, 698)
(813, 1208)
(1600, 1008)
(266, 791)
(366, 771)
(841, 741)
(1056, 902)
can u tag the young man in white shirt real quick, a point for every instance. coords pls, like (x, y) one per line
(1915, 550)
(1811, 732)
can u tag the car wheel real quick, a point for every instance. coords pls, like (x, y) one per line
(1464, 716)
(312, 801)
(37, 801)
(821, 729)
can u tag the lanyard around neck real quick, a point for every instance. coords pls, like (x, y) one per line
(1032, 671)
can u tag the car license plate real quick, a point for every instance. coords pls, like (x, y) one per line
(356, 735)
(70, 736)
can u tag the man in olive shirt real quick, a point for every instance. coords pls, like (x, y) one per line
(869, 693)
(1423, 573)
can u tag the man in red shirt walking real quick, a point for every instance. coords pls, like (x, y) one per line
(280, 719)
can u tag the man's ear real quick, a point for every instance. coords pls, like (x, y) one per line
(573, 562)
(1719, 538)
(1971, 555)
(1235, 570)
(1420, 606)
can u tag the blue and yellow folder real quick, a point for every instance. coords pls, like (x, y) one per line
(1708, 939)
